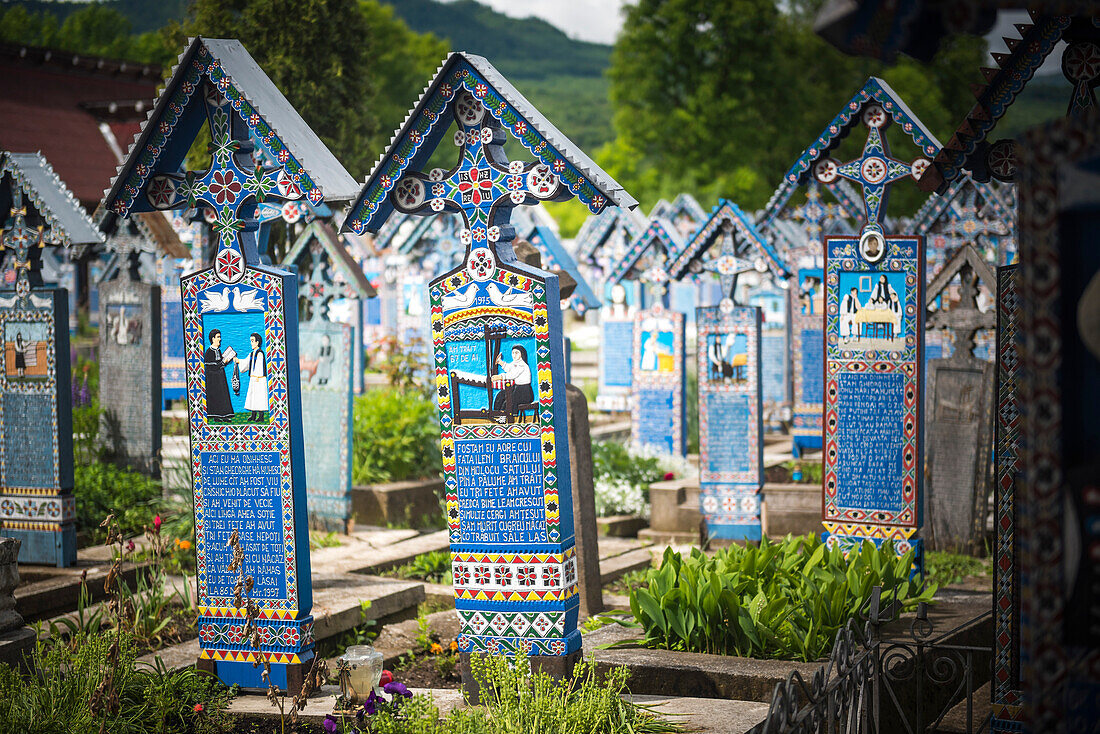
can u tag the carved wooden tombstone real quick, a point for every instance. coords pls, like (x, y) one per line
(326, 360)
(959, 428)
(36, 424)
(240, 323)
(498, 356)
(874, 332)
(731, 429)
(130, 349)
(1006, 458)
(658, 412)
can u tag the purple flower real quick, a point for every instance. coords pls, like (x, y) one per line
(329, 724)
(370, 706)
(397, 688)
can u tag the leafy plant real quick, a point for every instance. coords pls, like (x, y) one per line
(396, 437)
(433, 567)
(318, 539)
(622, 476)
(362, 634)
(804, 472)
(945, 568)
(103, 489)
(784, 599)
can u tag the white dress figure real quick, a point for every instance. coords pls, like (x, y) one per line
(255, 399)
(849, 307)
(895, 310)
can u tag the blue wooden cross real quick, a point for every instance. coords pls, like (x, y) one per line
(232, 188)
(483, 187)
(21, 237)
(321, 288)
(873, 171)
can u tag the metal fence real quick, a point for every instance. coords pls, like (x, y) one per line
(876, 682)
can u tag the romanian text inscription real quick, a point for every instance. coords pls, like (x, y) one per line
(28, 441)
(500, 492)
(618, 345)
(813, 356)
(657, 418)
(870, 410)
(242, 491)
(730, 428)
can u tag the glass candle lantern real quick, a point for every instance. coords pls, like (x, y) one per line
(360, 671)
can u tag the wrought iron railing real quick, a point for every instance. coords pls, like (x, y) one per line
(874, 682)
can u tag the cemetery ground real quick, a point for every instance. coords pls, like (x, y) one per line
(693, 636)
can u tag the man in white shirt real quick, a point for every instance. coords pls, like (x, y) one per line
(849, 307)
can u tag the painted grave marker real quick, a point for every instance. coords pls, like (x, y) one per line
(658, 412)
(36, 446)
(874, 335)
(240, 322)
(728, 353)
(498, 356)
(325, 364)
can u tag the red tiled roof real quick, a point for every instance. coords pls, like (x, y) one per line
(43, 93)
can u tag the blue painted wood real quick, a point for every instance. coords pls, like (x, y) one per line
(240, 326)
(616, 363)
(658, 411)
(731, 428)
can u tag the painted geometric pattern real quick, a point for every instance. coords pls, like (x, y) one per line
(903, 255)
(433, 110)
(850, 537)
(275, 436)
(47, 387)
(497, 431)
(50, 509)
(539, 319)
(652, 380)
(512, 645)
(273, 634)
(203, 64)
(1006, 606)
(730, 504)
(726, 211)
(515, 577)
(512, 624)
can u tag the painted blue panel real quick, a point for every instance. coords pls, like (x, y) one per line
(500, 491)
(618, 342)
(773, 355)
(870, 415)
(28, 441)
(732, 428)
(813, 366)
(657, 419)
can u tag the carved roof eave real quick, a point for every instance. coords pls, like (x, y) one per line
(70, 225)
(659, 232)
(1003, 84)
(711, 230)
(566, 262)
(312, 165)
(339, 257)
(427, 122)
(874, 91)
(966, 255)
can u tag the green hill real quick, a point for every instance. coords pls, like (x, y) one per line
(564, 78)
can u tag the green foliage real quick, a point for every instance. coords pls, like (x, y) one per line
(55, 698)
(613, 461)
(517, 701)
(362, 634)
(945, 569)
(396, 437)
(103, 489)
(784, 599)
(318, 539)
(720, 98)
(97, 29)
(433, 567)
(811, 471)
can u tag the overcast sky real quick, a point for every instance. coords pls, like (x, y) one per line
(586, 20)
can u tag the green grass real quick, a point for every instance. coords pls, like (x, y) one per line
(943, 568)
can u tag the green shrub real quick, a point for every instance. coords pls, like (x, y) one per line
(57, 697)
(784, 599)
(104, 489)
(396, 437)
(516, 701)
(945, 568)
(613, 461)
(433, 567)
(811, 471)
